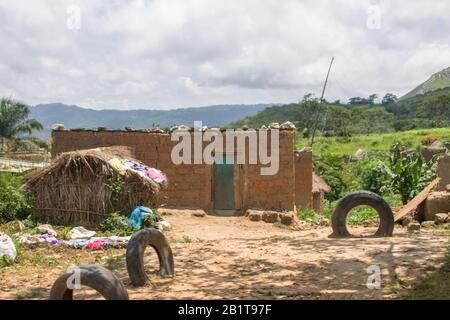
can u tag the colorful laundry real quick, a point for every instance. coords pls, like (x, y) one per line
(95, 244)
(124, 165)
(118, 165)
(80, 233)
(33, 240)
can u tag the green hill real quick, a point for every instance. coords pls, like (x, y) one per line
(439, 80)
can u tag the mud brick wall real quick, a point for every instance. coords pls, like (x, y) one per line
(272, 192)
(191, 186)
(303, 179)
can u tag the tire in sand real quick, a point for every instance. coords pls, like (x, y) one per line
(98, 278)
(135, 255)
(362, 198)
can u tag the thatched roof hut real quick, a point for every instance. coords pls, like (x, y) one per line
(319, 185)
(83, 188)
(319, 188)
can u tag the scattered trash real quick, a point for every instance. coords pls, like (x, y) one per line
(47, 229)
(7, 248)
(137, 216)
(80, 233)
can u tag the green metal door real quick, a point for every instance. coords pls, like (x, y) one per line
(223, 183)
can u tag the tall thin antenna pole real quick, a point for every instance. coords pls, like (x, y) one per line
(321, 101)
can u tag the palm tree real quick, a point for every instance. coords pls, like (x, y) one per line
(14, 120)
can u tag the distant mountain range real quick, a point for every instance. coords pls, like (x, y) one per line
(439, 80)
(76, 117)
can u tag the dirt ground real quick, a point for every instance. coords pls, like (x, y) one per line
(234, 258)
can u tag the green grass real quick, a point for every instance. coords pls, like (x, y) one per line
(375, 142)
(356, 217)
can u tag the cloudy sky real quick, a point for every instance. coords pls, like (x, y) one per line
(177, 53)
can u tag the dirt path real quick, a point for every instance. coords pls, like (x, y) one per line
(233, 258)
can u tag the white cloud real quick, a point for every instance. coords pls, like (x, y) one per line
(173, 53)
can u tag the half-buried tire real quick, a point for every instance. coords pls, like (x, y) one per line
(98, 278)
(362, 198)
(135, 255)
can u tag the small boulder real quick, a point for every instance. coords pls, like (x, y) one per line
(199, 214)
(360, 154)
(287, 218)
(440, 218)
(270, 217)
(163, 225)
(255, 216)
(414, 226)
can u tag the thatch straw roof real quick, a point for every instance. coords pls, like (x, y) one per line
(319, 185)
(82, 188)
(89, 161)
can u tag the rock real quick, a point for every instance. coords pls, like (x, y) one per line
(199, 214)
(288, 126)
(255, 216)
(47, 229)
(443, 172)
(437, 202)
(58, 127)
(360, 154)
(164, 225)
(274, 125)
(414, 226)
(287, 218)
(7, 248)
(440, 218)
(270, 217)
(429, 152)
(428, 224)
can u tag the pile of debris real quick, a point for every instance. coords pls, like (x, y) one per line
(431, 207)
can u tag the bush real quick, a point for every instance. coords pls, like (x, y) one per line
(374, 176)
(150, 221)
(310, 216)
(117, 224)
(13, 202)
(429, 139)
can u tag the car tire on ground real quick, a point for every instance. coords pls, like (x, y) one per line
(98, 278)
(135, 255)
(362, 198)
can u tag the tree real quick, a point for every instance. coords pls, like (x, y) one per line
(372, 98)
(436, 109)
(389, 98)
(372, 119)
(14, 120)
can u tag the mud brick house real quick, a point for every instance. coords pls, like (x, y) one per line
(209, 186)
